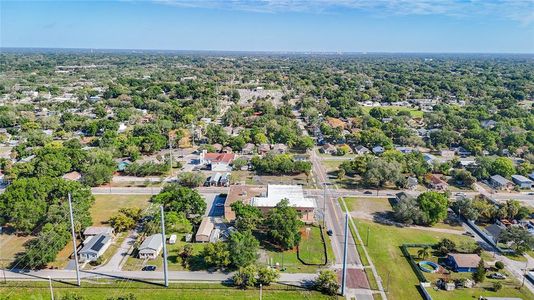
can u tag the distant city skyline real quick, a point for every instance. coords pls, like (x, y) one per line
(416, 26)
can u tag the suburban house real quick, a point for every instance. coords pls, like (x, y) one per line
(335, 122)
(248, 149)
(361, 150)
(293, 193)
(241, 193)
(404, 150)
(522, 181)
(264, 149)
(96, 230)
(151, 247)
(500, 183)
(461, 262)
(531, 176)
(461, 151)
(411, 182)
(279, 148)
(436, 183)
(72, 176)
(204, 230)
(94, 247)
(328, 149)
(378, 150)
(217, 161)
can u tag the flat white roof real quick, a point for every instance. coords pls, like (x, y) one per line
(275, 193)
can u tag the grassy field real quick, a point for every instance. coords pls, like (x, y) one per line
(332, 165)
(10, 245)
(509, 290)
(384, 243)
(174, 261)
(107, 205)
(415, 113)
(103, 290)
(368, 204)
(311, 251)
(251, 178)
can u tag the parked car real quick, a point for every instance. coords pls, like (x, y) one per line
(497, 276)
(367, 193)
(468, 234)
(149, 268)
(329, 232)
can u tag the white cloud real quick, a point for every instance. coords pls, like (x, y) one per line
(518, 10)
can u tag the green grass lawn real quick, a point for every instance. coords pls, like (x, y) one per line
(103, 290)
(384, 243)
(368, 204)
(414, 112)
(10, 246)
(332, 165)
(107, 205)
(311, 250)
(174, 261)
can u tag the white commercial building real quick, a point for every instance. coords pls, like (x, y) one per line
(293, 193)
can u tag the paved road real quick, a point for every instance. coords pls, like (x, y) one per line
(516, 268)
(294, 278)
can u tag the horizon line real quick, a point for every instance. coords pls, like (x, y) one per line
(263, 51)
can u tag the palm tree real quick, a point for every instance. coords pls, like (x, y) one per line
(424, 252)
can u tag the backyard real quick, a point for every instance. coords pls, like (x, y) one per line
(311, 252)
(384, 248)
(174, 261)
(107, 205)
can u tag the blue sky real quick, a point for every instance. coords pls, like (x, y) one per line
(273, 25)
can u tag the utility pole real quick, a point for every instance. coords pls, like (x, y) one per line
(260, 291)
(367, 239)
(4, 271)
(170, 153)
(51, 289)
(166, 278)
(74, 242)
(344, 274)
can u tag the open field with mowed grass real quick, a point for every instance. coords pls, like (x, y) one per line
(311, 251)
(107, 205)
(384, 249)
(10, 245)
(146, 291)
(414, 112)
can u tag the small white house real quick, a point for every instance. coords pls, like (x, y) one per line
(151, 247)
(522, 181)
(94, 247)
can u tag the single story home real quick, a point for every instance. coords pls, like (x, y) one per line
(461, 151)
(248, 149)
(436, 183)
(378, 150)
(72, 176)
(151, 247)
(94, 247)
(522, 181)
(279, 148)
(204, 230)
(500, 183)
(461, 262)
(328, 149)
(361, 150)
